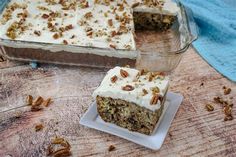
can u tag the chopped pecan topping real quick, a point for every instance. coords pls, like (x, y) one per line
(155, 90)
(143, 72)
(110, 23)
(128, 88)
(145, 92)
(113, 46)
(113, 33)
(68, 27)
(135, 4)
(124, 73)
(72, 37)
(114, 79)
(45, 16)
(56, 36)
(150, 77)
(65, 42)
(38, 33)
(88, 15)
(154, 99)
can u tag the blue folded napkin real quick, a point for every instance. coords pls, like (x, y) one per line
(216, 20)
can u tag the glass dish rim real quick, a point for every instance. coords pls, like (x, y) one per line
(187, 16)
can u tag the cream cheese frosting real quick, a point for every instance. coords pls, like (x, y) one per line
(92, 23)
(140, 88)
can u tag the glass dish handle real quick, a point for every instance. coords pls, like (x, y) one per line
(193, 28)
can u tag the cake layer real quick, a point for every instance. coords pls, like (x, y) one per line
(128, 115)
(65, 57)
(153, 21)
(145, 89)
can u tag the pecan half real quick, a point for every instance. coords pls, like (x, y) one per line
(114, 79)
(124, 73)
(128, 88)
(29, 100)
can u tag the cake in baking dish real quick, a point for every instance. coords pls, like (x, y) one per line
(108, 24)
(132, 99)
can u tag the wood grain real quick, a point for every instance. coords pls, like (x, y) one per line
(194, 131)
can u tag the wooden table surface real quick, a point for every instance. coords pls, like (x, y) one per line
(194, 131)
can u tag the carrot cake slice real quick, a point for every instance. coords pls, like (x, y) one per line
(132, 99)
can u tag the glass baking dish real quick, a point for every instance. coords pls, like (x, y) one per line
(162, 52)
(156, 51)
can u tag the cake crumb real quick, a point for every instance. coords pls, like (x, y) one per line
(39, 127)
(227, 90)
(111, 148)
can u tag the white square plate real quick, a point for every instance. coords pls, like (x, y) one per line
(92, 119)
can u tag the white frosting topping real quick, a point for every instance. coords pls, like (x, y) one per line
(114, 90)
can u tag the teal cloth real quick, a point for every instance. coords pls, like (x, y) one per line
(216, 20)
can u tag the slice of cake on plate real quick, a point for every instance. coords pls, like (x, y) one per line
(132, 99)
